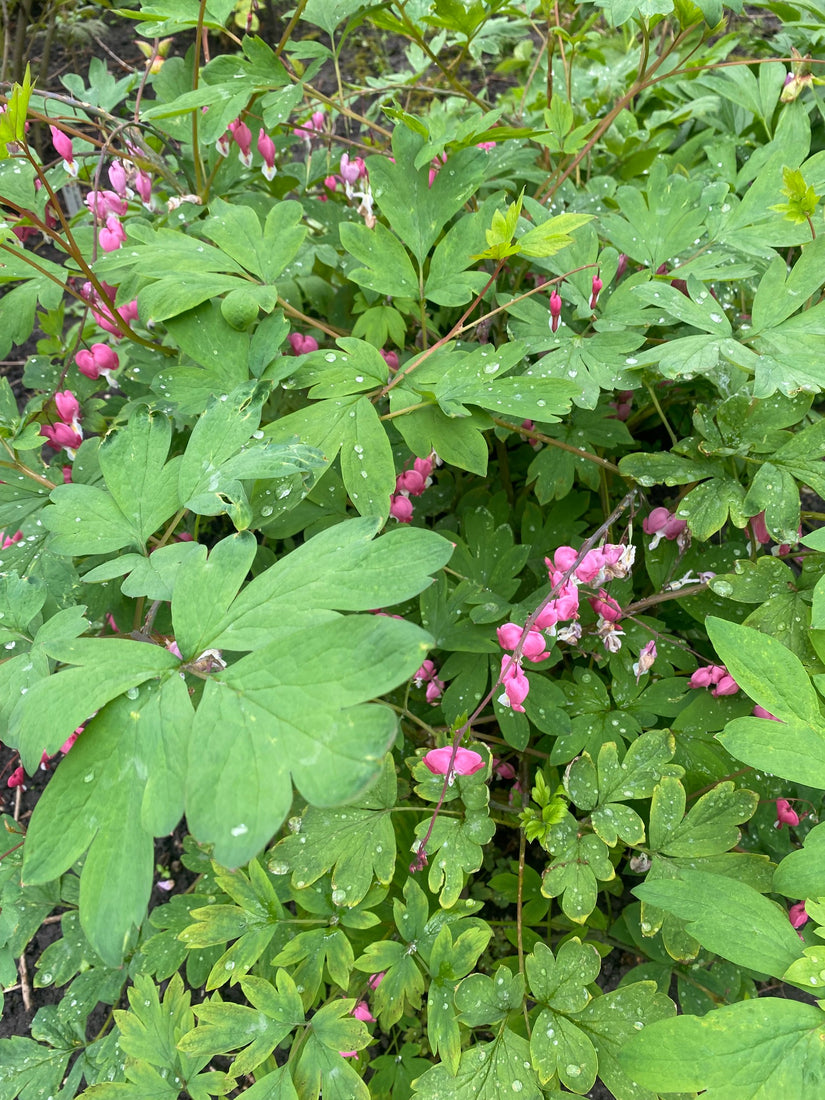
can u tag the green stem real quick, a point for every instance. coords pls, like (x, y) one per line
(196, 154)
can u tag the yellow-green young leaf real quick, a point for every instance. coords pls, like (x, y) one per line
(752, 1050)
(802, 199)
(13, 119)
(551, 236)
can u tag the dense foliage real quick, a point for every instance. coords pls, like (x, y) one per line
(417, 490)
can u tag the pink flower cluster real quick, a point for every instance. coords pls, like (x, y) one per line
(97, 360)
(427, 675)
(716, 677)
(103, 309)
(663, 524)
(240, 133)
(601, 564)
(67, 433)
(411, 483)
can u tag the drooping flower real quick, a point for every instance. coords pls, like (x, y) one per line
(595, 288)
(435, 689)
(605, 607)
(663, 524)
(401, 508)
(143, 186)
(242, 136)
(466, 762)
(96, 360)
(797, 915)
(362, 1012)
(63, 144)
(301, 344)
(16, 778)
(112, 236)
(103, 203)
(646, 660)
(61, 435)
(390, 358)
(516, 685)
(555, 310)
(118, 178)
(266, 147)
(785, 813)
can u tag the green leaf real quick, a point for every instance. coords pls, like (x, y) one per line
(237, 231)
(558, 1046)
(770, 674)
(90, 804)
(296, 706)
(484, 1000)
(713, 905)
(752, 1050)
(387, 268)
(561, 981)
(611, 1020)
(799, 875)
(255, 1031)
(29, 1068)
(366, 461)
(417, 211)
(456, 847)
(710, 825)
(781, 293)
(132, 461)
(204, 589)
(573, 874)
(551, 236)
(53, 708)
(344, 568)
(357, 843)
(487, 1071)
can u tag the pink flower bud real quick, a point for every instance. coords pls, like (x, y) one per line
(302, 345)
(318, 120)
(143, 186)
(70, 740)
(350, 170)
(509, 635)
(516, 684)
(466, 762)
(242, 136)
(362, 1012)
(487, 146)
(113, 235)
(376, 979)
(785, 813)
(555, 310)
(621, 266)
(117, 178)
(103, 203)
(797, 915)
(63, 145)
(704, 677)
(605, 606)
(390, 358)
(726, 686)
(425, 673)
(16, 778)
(61, 435)
(401, 508)
(67, 475)
(435, 689)
(759, 529)
(563, 558)
(10, 540)
(266, 147)
(411, 482)
(760, 712)
(595, 288)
